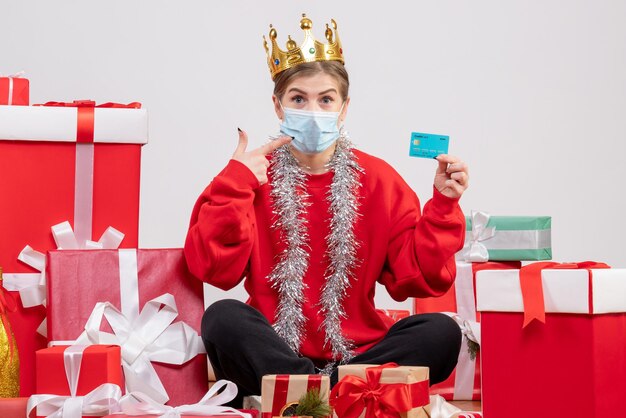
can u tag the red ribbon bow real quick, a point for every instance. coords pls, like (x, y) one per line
(352, 395)
(532, 288)
(85, 121)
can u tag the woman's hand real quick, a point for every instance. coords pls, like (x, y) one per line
(451, 178)
(255, 160)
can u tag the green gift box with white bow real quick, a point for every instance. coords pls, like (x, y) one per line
(506, 238)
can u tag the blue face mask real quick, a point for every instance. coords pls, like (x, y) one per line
(312, 132)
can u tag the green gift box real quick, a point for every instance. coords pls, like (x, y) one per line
(507, 238)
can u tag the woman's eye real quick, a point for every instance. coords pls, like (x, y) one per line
(327, 100)
(297, 99)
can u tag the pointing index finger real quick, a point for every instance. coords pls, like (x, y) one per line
(271, 146)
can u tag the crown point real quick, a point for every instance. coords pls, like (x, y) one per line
(333, 23)
(305, 23)
(267, 50)
(291, 44)
(273, 34)
(329, 34)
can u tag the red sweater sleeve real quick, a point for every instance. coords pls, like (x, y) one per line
(220, 236)
(420, 256)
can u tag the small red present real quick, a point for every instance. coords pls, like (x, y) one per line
(280, 392)
(460, 303)
(389, 390)
(98, 364)
(147, 302)
(14, 90)
(77, 380)
(555, 334)
(76, 164)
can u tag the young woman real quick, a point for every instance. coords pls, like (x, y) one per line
(311, 225)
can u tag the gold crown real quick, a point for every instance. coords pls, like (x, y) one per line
(309, 51)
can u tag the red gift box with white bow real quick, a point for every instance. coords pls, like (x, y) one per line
(76, 167)
(77, 381)
(147, 302)
(553, 340)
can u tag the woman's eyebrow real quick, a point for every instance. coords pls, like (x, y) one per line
(327, 91)
(297, 90)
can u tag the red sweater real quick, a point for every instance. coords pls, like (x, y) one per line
(412, 254)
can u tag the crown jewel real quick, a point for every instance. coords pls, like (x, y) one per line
(309, 51)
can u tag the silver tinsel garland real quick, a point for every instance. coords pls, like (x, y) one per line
(290, 205)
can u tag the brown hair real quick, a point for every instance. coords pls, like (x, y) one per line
(307, 69)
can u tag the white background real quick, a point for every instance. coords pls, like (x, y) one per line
(532, 94)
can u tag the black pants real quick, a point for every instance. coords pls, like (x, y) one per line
(243, 346)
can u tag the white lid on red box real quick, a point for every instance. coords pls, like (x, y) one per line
(49, 123)
(564, 291)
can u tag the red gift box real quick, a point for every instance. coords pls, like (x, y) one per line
(49, 178)
(464, 382)
(88, 374)
(573, 364)
(100, 364)
(13, 407)
(78, 280)
(14, 90)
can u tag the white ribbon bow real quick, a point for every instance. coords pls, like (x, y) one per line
(470, 329)
(32, 286)
(18, 74)
(477, 251)
(102, 400)
(151, 336)
(137, 403)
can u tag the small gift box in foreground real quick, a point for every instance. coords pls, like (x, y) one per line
(281, 393)
(459, 302)
(76, 164)
(75, 381)
(153, 306)
(99, 364)
(389, 390)
(14, 90)
(504, 238)
(574, 364)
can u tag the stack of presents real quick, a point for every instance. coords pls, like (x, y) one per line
(93, 326)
